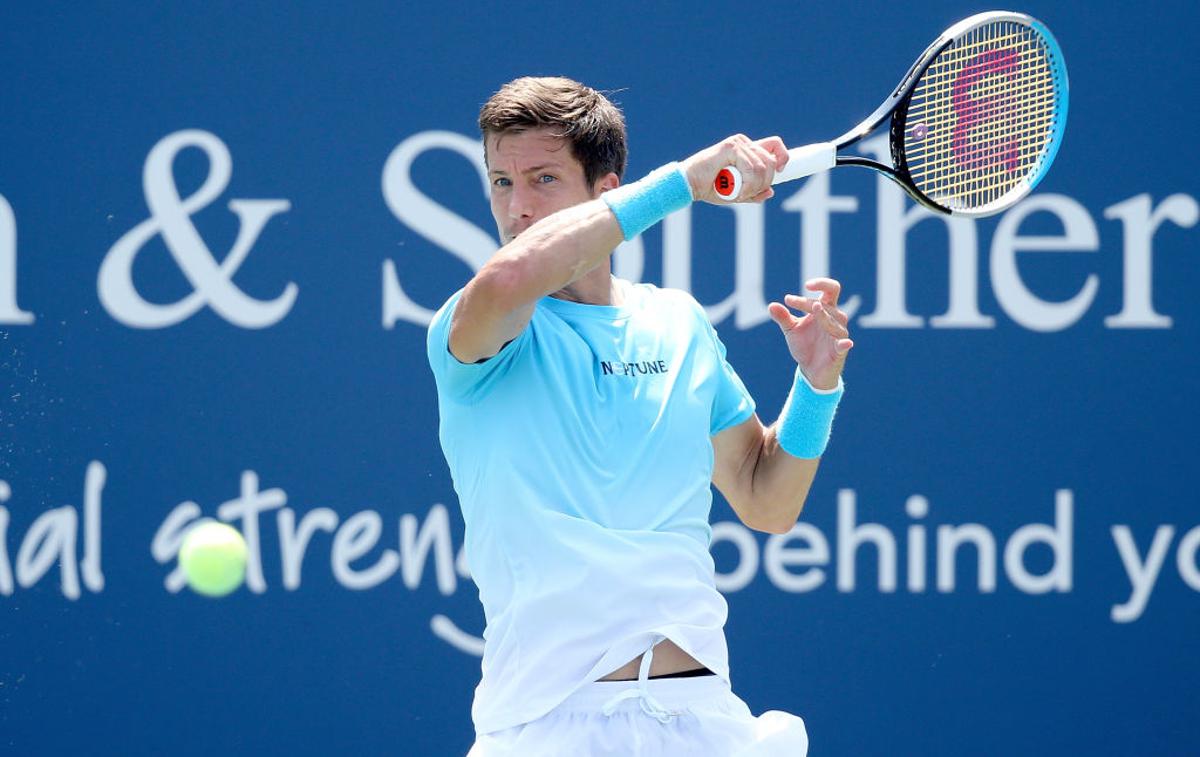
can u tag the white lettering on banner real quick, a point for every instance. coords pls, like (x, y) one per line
(447, 631)
(444, 228)
(10, 314)
(169, 538)
(804, 546)
(170, 217)
(358, 536)
(747, 549)
(293, 540)
(746, 302)
(52, 538)
(1140, 221)
(851, 536)
(629, 259)
(1143, 574)
(353, 539)
(212, 282)
(1059, 538)
(917, 507)
(949, 539)
(797, 562)
(814, 203)
(1185, 559)
(93, 490)
(778, 556)
(453, 233)
(892, 225)
(6, 576)
(415, 545)
(248, 507)
(1079, 235)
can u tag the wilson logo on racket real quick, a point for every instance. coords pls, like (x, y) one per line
(987, 104)
(987, 72)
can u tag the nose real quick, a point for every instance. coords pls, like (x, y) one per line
(520, 202)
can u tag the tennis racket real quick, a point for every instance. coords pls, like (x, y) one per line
(975, 123)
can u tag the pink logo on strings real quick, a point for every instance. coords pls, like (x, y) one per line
(975, 112)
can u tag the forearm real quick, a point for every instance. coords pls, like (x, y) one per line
(791, 450)
(552, 254)
(766, 472)
(779, 484)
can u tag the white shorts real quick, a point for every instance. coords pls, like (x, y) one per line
(662, 717)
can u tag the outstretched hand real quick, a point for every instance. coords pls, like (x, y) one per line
(818, 340)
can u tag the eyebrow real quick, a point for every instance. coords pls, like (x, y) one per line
(531, 169)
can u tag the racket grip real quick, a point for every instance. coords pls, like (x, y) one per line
(802, 161)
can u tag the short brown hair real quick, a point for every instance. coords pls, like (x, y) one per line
(592, 125)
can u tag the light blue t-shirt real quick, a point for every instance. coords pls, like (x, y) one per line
(582, 459)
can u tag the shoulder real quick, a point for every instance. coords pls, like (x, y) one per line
(439, 325)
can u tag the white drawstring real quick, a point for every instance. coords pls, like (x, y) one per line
(649, 704)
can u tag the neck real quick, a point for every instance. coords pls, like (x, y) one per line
(597, 287)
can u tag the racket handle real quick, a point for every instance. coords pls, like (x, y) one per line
(802, 161)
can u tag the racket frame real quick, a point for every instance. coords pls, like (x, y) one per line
(810, 159)
(895, 107)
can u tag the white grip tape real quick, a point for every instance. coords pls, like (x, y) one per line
(802, 161)
(806, 161)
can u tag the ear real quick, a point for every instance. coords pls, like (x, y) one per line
(605, 183)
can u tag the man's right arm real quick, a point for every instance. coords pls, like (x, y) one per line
(495, 307)
(498, 303)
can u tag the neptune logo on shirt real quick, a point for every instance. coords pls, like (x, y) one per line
(633, 370)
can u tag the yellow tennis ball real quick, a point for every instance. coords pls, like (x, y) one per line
(213, 558)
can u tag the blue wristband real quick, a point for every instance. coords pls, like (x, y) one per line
(645, 202)
(807, 418)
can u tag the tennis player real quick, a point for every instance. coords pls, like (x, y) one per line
(584, 419)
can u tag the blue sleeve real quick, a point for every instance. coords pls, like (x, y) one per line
(732, 403)
(467, 382)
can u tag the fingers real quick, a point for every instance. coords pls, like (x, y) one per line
(833, 326)
(805, 304)
(782, 316)
(777, 149)
(756, 161)
(833, 321)
(797, 302)
(756, 164)
(829, 288)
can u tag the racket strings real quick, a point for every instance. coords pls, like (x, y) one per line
(963, 115)
(972, 139)
(984, 113)
(994, 133)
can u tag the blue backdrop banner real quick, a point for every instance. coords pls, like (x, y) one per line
(225, 227)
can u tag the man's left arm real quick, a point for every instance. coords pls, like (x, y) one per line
(765, 483)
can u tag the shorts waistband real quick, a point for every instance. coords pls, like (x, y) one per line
(673, 693)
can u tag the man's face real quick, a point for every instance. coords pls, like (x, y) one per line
(533, 174)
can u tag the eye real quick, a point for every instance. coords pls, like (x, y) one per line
(501, 181)
(546, 178)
